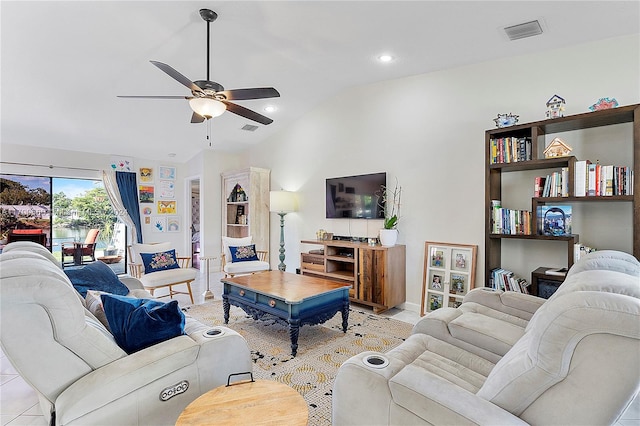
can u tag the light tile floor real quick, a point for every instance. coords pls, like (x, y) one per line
(19, 403)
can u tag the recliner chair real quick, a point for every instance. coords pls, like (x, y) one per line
(79, 372)
(577, 363)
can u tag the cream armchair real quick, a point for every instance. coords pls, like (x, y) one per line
(183, 274)
(231, 268)
(80, 374)
(577, 363)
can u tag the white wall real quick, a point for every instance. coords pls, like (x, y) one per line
(428, 132)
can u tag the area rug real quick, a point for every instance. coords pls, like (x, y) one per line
(321, 349)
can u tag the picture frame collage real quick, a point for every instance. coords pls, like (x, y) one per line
(157, 198)
(449, 274)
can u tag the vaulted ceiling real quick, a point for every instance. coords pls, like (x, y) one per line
(64, 63)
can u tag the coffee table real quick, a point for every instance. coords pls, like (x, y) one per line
(293, 299)
(262, 402)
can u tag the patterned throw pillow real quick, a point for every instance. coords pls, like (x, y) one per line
(243, 253)
(154, 262)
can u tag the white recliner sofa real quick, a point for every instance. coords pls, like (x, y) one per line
(489, 322)
(577, 362)
(79, 372)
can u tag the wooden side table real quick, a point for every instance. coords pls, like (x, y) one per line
(262, 402)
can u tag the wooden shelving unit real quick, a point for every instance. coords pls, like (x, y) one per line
(376, 274)
(536, 132)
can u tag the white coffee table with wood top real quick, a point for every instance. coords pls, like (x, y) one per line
(262, 402)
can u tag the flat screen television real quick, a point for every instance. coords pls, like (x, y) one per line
(355, 197)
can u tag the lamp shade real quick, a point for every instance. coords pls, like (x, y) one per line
(207, 107)
(283, 201)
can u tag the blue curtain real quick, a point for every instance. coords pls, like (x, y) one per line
(128, 189)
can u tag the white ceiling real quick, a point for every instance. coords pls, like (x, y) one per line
(64, 63)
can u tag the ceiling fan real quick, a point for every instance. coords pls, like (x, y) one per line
(209, 99)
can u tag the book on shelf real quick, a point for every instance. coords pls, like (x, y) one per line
(554, 220)
(580, 250)
(602, 180)
(510, 150)
(561, 272)
(502, 279)
(509, 221)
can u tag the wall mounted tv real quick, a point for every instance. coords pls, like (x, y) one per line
(355, 197)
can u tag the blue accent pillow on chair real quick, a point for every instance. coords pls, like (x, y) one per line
(243, 253)
(154, 262)
(139, 323)
(96, 276)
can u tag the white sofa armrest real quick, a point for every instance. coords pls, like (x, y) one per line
(122, 377)
(131, 283)
(512, 303)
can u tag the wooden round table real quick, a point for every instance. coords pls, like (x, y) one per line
(262, 402)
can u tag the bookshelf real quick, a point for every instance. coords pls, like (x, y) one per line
(535, 133)
(245, 205)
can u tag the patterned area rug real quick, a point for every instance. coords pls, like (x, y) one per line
(321, 349)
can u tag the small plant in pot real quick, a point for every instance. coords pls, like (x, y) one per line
(390, 199)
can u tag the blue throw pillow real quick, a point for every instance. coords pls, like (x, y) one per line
(96, 276)
(139, 323)
(243, 253)
(154, 262)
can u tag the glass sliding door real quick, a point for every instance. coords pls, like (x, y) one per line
(25, 209)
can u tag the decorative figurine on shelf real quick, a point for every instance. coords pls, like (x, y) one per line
(604, 103)
(506, 120)
(555, 107)
(557, 148)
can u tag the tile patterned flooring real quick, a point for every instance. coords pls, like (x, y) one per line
(19, 403)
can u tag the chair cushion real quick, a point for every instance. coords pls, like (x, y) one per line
(160, 261)
(96, 276)
(235, 242)
(169, 276)
(243, 253)
(139, 323)
(246, 267)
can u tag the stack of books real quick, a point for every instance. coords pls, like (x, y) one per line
(595, 180)
(502, 279)
(510, 150)
(509, 221)
(554, 185)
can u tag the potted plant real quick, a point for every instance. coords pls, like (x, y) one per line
(391, 202)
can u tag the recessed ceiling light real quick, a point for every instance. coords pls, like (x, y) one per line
(172, 154)
(270, 108)
(385, 58)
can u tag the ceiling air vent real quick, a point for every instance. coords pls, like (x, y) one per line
(249, 127)
(528, 29)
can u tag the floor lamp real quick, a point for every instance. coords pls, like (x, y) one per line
(282, 202)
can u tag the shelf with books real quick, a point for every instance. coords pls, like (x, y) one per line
(594, 144)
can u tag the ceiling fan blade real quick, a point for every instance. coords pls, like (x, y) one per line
(255, 93)
(177, 76)
(247, 113)
(156, 97)
(197, 118)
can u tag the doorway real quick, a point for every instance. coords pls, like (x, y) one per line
(194, 185)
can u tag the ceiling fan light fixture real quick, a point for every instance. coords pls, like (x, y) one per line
(207, 107)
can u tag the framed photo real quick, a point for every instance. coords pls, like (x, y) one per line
(167, 173)
(167, 207)
(449, 274)
(167, 189)
(146, 174)
(173, 224)
(146, 193)
(159, 223)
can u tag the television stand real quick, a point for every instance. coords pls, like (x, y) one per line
(376, 274)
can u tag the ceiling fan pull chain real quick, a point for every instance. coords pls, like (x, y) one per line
(209, 131)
